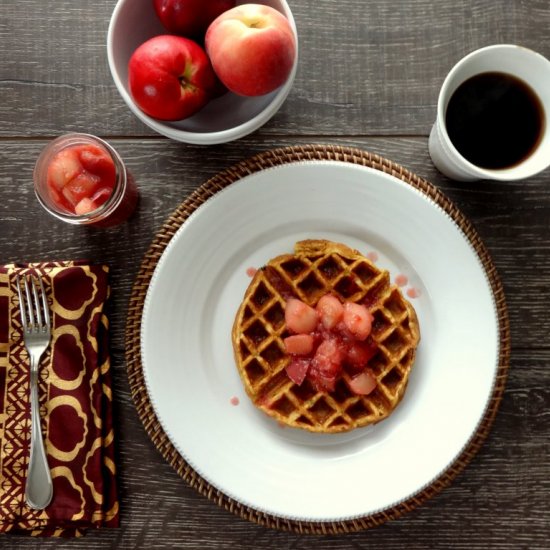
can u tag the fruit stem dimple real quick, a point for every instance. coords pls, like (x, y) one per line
(255, 24)
(186, 84)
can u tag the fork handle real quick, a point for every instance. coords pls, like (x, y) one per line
(39, 487)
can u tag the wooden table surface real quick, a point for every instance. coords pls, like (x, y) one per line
(368, 77)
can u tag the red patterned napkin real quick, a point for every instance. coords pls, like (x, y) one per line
(75, 404)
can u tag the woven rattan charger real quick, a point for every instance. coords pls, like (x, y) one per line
(133, 328)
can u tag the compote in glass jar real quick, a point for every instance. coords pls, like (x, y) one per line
(81, 179)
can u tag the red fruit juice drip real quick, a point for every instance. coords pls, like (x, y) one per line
(372, 256)
(401, 280)
(251, 271)
(234, 401)
(413, 292)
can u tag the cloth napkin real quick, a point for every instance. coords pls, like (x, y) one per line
(75, 404)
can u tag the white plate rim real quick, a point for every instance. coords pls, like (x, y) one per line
(433, 203)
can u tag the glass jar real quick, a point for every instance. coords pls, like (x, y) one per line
(72, 179)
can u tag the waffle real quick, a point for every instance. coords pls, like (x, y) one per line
(316, 268)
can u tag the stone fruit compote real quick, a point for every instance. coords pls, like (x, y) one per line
(81, 179)
(326, 338)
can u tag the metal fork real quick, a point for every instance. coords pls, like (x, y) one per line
(35, 319)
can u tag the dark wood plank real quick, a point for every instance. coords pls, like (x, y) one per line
(366, 68)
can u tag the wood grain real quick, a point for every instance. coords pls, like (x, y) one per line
(366, 68)
(368, 77)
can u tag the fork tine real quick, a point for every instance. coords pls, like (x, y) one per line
(36, 302)
(29, 302)
(21, 303)
(45, 306)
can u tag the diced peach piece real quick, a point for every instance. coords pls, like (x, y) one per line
(299, 317)
(83, 185)
(297, 370)
(358, 320)
(358, 354)
(99, 163)
(63, 168)
(92, 156)
(326, 366)
(299, 344)
(330, 311)
(101, 195)
(328, 358)
(84, 207)
(363, 383)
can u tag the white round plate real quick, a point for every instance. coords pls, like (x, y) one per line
(188, 362)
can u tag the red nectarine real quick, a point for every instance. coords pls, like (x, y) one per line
(252, 49)
(170, 77)
(190, 18)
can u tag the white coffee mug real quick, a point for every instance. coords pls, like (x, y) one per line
(527, 65)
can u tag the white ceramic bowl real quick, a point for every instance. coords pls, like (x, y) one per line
(224, 119)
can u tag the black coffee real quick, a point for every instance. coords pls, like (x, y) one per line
(495, 120)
